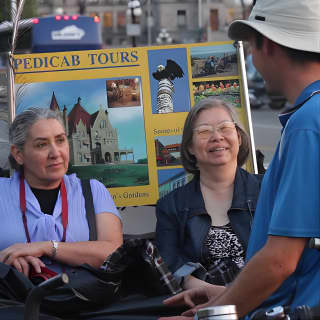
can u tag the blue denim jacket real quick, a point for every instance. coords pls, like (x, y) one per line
(183, 222)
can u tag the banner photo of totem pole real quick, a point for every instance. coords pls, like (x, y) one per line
(124, 109)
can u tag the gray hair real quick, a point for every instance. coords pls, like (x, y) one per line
(188, 160)
(19, 129)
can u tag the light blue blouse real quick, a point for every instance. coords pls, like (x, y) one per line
(44, 227)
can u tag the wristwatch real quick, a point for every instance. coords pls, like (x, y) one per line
(55, 245)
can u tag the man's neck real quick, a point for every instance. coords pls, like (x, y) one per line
(299, 77)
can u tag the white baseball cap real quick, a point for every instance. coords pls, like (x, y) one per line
(291, 23)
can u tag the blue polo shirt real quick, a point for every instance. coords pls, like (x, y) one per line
(289, 202)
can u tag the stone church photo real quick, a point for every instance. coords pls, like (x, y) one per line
(107, 143)
(92, 138)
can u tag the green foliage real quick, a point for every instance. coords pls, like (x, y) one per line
(114, 175)
(29, 10)
(142, 161)
(4, 173)
(5, 11)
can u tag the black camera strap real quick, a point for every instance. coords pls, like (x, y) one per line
(90, 213)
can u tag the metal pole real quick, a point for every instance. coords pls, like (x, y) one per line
(200, 14)
(11, 91)
(149, 22)
(10, 73)
(13, 9)
(239, 46)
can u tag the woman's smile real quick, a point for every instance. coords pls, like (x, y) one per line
(218, 149)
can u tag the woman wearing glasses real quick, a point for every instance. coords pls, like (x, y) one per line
(203, 227)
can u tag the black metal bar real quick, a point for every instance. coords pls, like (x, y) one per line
(33, 301)
(133, 20)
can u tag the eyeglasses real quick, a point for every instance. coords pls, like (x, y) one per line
(205, 131)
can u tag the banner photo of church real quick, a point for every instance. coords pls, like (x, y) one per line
(124, 109)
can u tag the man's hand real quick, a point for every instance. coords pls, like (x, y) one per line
(176, 318)
(191, 312)
(193, 297)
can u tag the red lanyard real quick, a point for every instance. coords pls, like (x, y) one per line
(64, 208)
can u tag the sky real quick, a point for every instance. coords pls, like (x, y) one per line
(165, 174)
(165, 140)
(128, 121)
(212, 49)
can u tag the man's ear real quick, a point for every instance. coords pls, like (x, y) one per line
(17, 154)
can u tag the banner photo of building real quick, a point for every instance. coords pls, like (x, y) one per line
(124, 109)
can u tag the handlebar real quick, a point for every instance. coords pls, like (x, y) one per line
(314, 243)
(284, 313)
(32, 305)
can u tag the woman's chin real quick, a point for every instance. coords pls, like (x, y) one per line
(214, 164)
(56, 177)
(220, 160)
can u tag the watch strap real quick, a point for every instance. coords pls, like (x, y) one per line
(55, 245)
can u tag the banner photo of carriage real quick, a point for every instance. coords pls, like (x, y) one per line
(124, 109)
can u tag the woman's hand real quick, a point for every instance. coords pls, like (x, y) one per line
(18, 250)
(24, 264)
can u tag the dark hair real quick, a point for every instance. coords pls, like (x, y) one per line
(296, 56)
(188, 160)
(19, 129)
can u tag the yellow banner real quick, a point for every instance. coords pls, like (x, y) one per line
(124, 109)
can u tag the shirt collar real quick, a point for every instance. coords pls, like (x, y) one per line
(307, 92)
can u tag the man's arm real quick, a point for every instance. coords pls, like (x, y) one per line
(263, 274)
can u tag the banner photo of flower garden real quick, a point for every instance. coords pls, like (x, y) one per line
(124, 109)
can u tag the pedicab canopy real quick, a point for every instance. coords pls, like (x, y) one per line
(124, 109)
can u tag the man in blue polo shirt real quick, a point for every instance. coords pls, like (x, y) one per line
(281, 269)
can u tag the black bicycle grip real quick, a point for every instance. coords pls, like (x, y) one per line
(36, 295)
